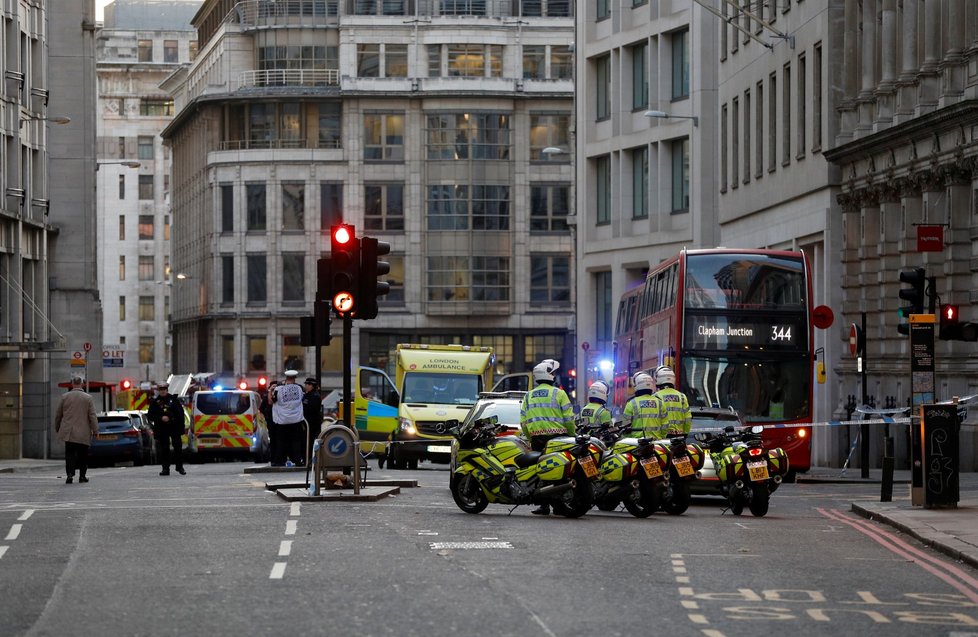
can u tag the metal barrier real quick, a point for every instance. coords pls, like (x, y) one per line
(337, 448)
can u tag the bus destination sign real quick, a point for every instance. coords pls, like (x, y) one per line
(771, 333)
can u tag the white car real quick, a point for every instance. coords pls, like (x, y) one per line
(505, 406)
(712, 420)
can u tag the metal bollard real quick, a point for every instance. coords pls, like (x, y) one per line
(886, 487)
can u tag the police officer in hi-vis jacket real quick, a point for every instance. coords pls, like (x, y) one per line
(546, 412)
(674, 415)
(641, 413)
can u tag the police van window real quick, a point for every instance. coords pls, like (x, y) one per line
(221, 404)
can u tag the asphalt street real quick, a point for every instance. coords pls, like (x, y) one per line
(215, 553)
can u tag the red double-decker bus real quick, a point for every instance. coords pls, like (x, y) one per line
(736, 326)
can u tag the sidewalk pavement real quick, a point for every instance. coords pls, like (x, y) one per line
(953, 532)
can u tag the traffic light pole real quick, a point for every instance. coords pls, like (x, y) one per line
(347, 371)
(864, 428)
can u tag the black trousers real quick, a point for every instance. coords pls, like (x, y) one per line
(76, 457)
(163, 443)
(289, 443)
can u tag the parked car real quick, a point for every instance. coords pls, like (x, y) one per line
(711, 419)
(123, 436)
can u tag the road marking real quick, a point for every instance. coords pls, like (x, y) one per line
(294, 509)
(689, 604)
(278, 570)
(709, 632)
(3, 549)
(26, 514)
(436, 546)
(698, 619)
(285, 548)
(290, 527)
(682, 579)
(14, 532)
(678, 569)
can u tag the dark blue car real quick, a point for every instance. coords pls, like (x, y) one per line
(120, 439)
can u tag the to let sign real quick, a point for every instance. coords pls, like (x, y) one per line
(113, 356)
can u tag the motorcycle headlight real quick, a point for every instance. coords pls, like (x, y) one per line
(407, 426)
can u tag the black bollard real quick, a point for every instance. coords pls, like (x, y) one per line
(886, 487)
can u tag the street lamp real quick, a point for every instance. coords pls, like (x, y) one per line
(664, 115)
(53, 120)
(128, 163)
(553, 150)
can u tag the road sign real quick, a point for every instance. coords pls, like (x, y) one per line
(585, 346)
(823, 317)
(87, 347)
(855, 339)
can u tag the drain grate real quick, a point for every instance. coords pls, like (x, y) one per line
(436, 546)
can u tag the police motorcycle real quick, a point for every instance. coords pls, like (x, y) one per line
(503, 470)
(748, 473)
(686, 459)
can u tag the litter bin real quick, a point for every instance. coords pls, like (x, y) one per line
(940, 441)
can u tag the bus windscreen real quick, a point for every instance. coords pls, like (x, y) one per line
(771, 390)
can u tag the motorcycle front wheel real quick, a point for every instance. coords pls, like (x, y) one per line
(582, 500)
(647, 501)
(679, 502)
(468, 494)
(759, 501)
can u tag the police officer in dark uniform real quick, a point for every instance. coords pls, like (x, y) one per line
(312, 410)
(166, 414)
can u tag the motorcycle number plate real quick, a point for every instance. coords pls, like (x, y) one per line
(758, 471)
(683, 467)
(587, 463)
(652, 468)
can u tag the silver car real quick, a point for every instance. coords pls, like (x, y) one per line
(712, 420)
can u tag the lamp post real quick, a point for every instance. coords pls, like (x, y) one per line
(664, 115)
(128, 163)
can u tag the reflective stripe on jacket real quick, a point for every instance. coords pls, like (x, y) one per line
(595, 415)
(546, 411)
(643, 414)
(674, 416)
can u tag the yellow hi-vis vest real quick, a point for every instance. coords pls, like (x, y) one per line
(595, 415)
(674, 416)
(546, 411)
(642, 412)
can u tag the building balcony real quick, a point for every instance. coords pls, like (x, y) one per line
(287, 78)
(255, 14)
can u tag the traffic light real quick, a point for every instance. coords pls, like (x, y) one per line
(126, 384)
(262, 383)
(952, 329)
(344, 265)
(917, 278)
(371, 269)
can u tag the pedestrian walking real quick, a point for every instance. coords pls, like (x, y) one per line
(312, 411)
(287, 414)
(166, 415)
(76, 425)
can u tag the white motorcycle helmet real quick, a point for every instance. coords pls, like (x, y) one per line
(598, 390)
(545, 370)
(665, 376)
(643, 381)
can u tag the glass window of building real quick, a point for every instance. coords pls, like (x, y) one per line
(145, 147)
(448, 279)
(448, 207)
(122, 308)
(122, 187)
(227, 353)
(549, 207)
(680, 64)
(255, 194)
(603, 307)
(549, 130)
(122, 267)
(383, 136)
(257, 279)
(146, 183)
(290, 127)
(396, 280)
(330, 204)
(155, 108)
(368, 60)
(474, 60)
(147, 308)
(330, 125)
(541, 346)
(193, 50)
(146, 227)
(144, 50)
(227, 208)
(680, 175)
(171, 53)
(122, 227)
(602, 169)
(482, 136)
(293, 205)
(293, 277)
(490, 278)
(147, 267)
(462, 7)
(602, 87)
(395, 60)
(434, 60)
(549, 279)
(561, 62)
(534, 62)
(383, 207)
(257, 353)
(640, 182)
(293, 353)
(640, 76)
(227, 279)
(261, 125)
(602, 9)
(490, 207)
(147, 349)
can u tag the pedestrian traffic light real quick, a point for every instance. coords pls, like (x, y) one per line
(344, 265)
(126, 384)
(371, 269)
(917, 278)
(951, 327)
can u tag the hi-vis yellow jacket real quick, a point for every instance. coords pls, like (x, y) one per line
(546, 411)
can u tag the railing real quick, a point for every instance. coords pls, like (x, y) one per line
(273, 144)
(253, 13)
(265, 78)
(305, 13)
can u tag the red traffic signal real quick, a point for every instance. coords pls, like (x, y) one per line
(344, 268)
(262, 382)
(242, 385)
(949, 315)
(125, 384)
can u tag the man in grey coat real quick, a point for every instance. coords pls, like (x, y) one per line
(76, 425)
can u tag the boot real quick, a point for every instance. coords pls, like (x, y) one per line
(181, 471)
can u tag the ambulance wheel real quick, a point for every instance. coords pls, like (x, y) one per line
(467, 493)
